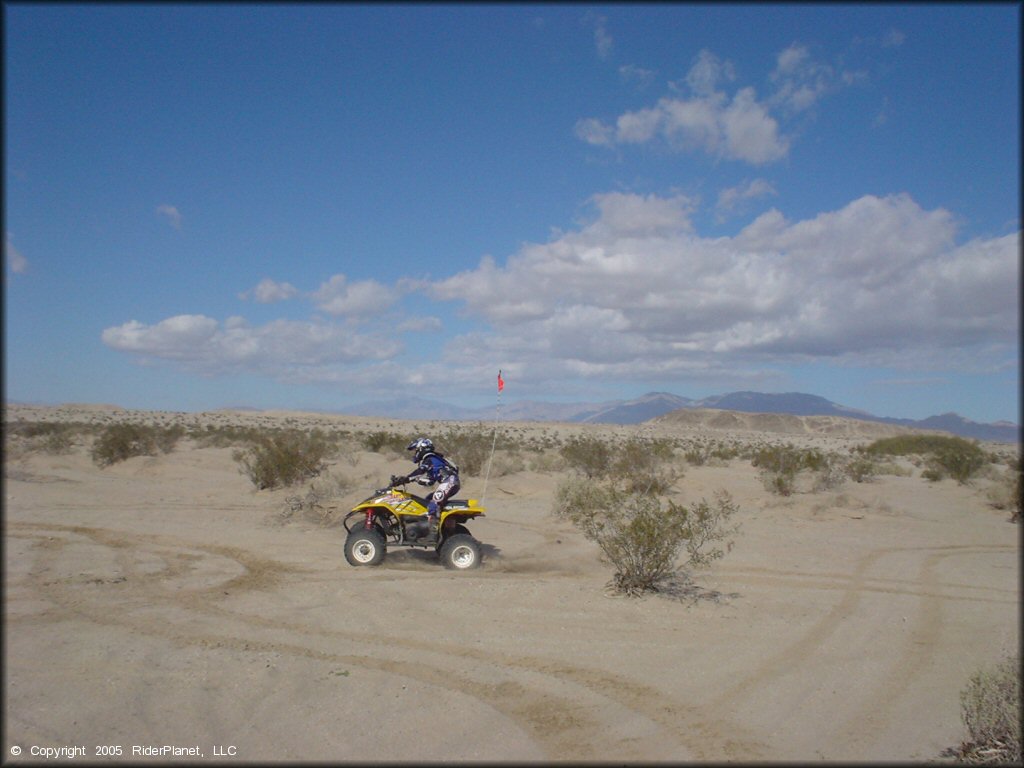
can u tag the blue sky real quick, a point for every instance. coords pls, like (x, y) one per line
(311, 206)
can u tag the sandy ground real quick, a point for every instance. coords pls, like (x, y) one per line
(163, 601)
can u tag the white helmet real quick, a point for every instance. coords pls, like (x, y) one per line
(421, 447)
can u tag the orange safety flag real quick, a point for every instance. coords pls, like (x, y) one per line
(501, 381)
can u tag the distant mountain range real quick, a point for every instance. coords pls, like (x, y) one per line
(656, 404)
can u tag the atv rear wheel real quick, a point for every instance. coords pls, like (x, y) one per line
(364, 546)
(460, 552)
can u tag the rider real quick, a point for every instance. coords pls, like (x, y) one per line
(432, 467)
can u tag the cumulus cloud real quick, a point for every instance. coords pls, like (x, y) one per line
(731, 200)
(171, 214)
(736, 128)
(269, 291)
(278, 348)
(635, 292)
(17, 263)
(338, 296)
(704, 114)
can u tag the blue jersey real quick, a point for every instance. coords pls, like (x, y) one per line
(436, 468)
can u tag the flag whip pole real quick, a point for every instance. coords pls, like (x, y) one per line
(494, 440)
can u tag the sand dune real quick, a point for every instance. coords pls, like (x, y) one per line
(164, 601)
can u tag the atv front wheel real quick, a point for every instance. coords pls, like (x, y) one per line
(460, 552)
(364, 546)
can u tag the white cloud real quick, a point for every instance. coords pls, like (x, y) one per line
(731, 199)
(707, 72)
(17, 263)
(279, 348)
(593, 131)
(635, 292)
(171, 213)
(631, 73)
(800, 81)
(737, 128)
(602, 39)
(339, 297)
(269, 291)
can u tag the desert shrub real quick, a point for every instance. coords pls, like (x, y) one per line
(697, 456)
(319, 502)
(547, 460)
(644, 465)
(52, 437)
(167, 437)
(861, 469)
(381, 441)
(1004, 492)
(507, 463)
(779, 465)
(118, 442)
(589, 455)
(990, 709)
(830, 474)
(906, 445)
(224, 436)
(284, 458)
(640, 535)
(945, 455)
(960, 461)
(57, 442)
(469, 448)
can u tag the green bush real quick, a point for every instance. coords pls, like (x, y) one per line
(960, 461)
(639, 535)
(284, 459)
(990, 708)
(589, 455)
(946, 455)
(908, 445)
(118, 442)
(642, 463)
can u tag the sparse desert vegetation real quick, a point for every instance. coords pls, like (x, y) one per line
(990, 708)
(211, 542)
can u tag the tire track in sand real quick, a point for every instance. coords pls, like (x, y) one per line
(912, 656)
(562, 725)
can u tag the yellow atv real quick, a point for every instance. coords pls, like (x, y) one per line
(394, 517)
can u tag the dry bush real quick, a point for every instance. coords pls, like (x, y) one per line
(285, 458)
(990, 709)
(639, 535)
(1004, 492)
(225, 435)
(382, 441)
(50, 437)
(118, 442)
(862, 469)
(547, 460)
(319, 504)
(469, 448)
